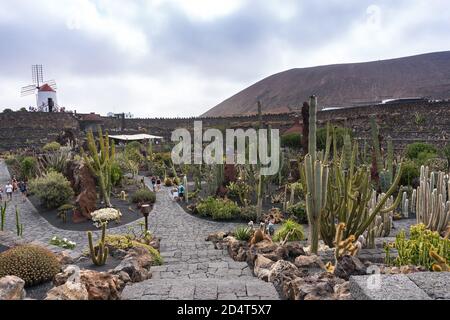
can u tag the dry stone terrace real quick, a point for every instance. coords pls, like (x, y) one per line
(192, 268)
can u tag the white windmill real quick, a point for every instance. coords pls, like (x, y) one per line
(45, 90)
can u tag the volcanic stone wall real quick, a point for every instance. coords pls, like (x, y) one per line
(31, 129)
(404, 123)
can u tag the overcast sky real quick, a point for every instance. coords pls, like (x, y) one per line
(182, 57)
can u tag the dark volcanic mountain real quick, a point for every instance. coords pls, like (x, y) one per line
(338, 85)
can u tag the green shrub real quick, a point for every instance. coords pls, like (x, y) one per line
(11, 160)
(133, 152)
(124, 242)
(291, 140)
(446, 153)
(299, 211)
(340, 133)
(410, 172)
(52, 189)
(168, 182)
(416, 249)
(116, 174)
(51, 147)
(414, 149)
(156, 168)
(133, 145)
(143, 195)
(126, 165)
(28, 167)
(248, 213)
(239, 190)
(31, 263)
(218, 209)
(424, 157)
(289, 227)
(243, 233)
(165, 157)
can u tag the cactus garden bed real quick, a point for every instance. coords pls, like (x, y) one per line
(130, 212)
(241, 214)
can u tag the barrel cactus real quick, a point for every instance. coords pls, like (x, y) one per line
(33, 264)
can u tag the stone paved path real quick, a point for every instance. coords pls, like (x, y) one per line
(192, 268)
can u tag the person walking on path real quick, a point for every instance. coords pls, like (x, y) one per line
(181, 191)
(158, 183)
(153, 182)
(14, 184)
(23, 190)
(9, 190)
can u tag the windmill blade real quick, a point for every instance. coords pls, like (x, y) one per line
(37, 74)
(28, 90)
(52, 84)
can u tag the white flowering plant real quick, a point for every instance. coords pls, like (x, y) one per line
(105, 215)
(63, 243)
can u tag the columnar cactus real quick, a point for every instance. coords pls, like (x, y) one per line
(98, 253)
(100, 162)
(433, 200)
(2, 216)
(259, 197)
(381, 226)
(19, 226)
(316, 197)
(185, 182)
(376, 145)
(405, 205)
(349, 201)
(413, 201)
(316, 174)
(312, 134)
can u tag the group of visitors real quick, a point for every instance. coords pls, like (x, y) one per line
(178, 192)
(13, 186)
(156, 183)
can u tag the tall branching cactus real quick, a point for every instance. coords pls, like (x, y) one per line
(433, 200)
(349, 196)
(384, 169)
(100, 162)
(316, 180)
(98, 253)
(316, 174)
(382, 224)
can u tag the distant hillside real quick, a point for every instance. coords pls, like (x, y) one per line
(425, 75)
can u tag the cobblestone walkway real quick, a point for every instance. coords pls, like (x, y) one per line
(192, 268)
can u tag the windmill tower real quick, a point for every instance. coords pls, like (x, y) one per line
(45, 90)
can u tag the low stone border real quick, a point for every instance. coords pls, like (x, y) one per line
(413, 286)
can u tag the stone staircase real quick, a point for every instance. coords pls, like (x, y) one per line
(195, 270)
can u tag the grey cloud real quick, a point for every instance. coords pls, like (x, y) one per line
(237, 48)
